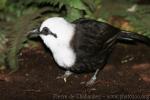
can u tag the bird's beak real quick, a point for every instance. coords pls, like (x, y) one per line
(33, 34)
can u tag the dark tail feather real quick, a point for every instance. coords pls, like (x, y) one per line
(133, 37)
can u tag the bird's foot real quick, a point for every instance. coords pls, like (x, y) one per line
(91, 81)
(65, 76)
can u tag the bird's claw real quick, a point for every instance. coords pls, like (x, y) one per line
(90, 82)
(93, 79)
(65, 76)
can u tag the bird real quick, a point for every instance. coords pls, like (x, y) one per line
(84, 45)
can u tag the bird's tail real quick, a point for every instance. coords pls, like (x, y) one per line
(133, 37)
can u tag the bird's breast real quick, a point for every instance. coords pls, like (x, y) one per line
(64, 57)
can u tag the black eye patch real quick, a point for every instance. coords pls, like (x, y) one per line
(46, 31)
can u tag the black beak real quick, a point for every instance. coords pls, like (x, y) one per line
(33, 34)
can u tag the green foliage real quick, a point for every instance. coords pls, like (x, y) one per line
(18, 36)
(3, 48)
(2, 4)
(140, 19)
(74, 8)
(11, 12)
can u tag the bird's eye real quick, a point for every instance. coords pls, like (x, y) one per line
(46, 31)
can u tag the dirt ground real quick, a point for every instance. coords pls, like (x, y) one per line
(126, 73)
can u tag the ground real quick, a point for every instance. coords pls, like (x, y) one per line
(126, 73)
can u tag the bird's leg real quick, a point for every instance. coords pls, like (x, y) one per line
(65, 76)
(93, 78)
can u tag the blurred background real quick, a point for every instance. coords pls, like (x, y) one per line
(17, 17)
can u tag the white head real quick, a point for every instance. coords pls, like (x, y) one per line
(57, 34)
(56, 31)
